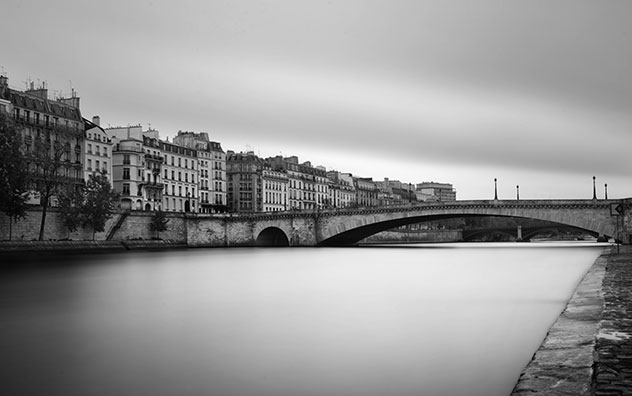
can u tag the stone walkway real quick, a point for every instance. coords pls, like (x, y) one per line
(588, 350)
(613, 350)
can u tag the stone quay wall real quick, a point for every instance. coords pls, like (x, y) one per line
(135, 226)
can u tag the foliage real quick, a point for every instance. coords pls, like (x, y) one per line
(71, 202)
(13, 170)
(159, 222)
(46, 173)
(99, 202)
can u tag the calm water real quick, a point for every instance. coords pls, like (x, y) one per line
(449, 320)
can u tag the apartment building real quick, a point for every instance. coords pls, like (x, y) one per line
(366, 191)
(181, 177)
(245, 184)
(434, 191)
(97, 150)
(308, 186)
(211, 168)
(54, 126)
(274, 189)
(342, 192)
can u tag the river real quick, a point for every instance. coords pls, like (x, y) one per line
(453, 319)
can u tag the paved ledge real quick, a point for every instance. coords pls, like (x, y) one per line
(43, 247)
(613, 350)
(563, 365)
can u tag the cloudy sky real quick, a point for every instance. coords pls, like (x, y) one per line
(534, 93)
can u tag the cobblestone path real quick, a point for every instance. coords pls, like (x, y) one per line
(612, 370)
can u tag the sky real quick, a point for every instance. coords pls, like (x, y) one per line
(537, 94)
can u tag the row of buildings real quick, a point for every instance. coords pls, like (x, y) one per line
(191, 173)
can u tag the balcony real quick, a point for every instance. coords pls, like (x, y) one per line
(157, 186)
(152, 157)
(48, 125)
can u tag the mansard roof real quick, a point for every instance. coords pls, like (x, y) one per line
(33, 103)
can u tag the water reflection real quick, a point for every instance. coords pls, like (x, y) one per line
(362, 321)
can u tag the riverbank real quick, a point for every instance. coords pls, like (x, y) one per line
(588, 350)
(45, 247)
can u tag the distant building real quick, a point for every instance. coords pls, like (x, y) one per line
(274, 185)
(307, 185)
(433, 191)
(366, 191)
(97, 150)
(244, 173)
(181, 176)
(54, 123)
(212, 170)
(342, 192)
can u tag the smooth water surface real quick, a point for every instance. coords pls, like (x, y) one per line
(440, 320)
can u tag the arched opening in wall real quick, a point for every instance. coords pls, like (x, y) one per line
(272, 236)
(147, 207)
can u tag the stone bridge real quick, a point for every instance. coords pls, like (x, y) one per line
(610, 218)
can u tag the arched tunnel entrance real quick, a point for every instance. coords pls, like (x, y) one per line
(272, 236)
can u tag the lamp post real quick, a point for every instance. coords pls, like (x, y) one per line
(594, 189)
(517, 192)
(495, 188)
(605, 186)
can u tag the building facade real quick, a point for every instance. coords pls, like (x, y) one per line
(97, 150)
(245, 184)
(443, 192)
(52, 132)
(211, 169)
(342, 192)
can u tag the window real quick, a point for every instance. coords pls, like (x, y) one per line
(126, 174)
(105, 151)
(126, 188)
(89, 164)
(97, 166)
(125, 158)
(105, 166)
(89, 148)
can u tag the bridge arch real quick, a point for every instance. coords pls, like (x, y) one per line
(350, 226)
(272, 236)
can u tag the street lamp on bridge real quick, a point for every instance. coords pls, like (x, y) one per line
(495, 188)
(517, 192)
(605, 186)
(594, 189)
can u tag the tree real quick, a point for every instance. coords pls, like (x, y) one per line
(47, 172)
(13, 172)
(158, 223)
(71, 207)
(99, 203)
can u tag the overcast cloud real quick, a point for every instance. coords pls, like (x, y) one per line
(535, 93)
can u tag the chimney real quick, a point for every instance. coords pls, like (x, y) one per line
(4, 85)
(96, 120)
(74, 101)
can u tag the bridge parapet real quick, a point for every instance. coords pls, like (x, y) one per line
(347, 225)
